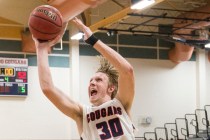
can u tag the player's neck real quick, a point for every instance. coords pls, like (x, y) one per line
(102, 101)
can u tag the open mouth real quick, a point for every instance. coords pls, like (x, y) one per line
(93, 92)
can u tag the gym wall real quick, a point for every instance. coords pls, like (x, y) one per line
(164, 90)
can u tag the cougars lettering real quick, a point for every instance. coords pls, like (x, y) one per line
(111, 110)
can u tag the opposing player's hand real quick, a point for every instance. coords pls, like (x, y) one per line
(64, 26)
(97, 2)
(86, 30)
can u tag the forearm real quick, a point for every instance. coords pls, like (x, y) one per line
(45, 77)
(114, 58)
(72, 8)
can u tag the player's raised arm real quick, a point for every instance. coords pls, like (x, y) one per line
(56, 96)
(126, 75)
(71, 8)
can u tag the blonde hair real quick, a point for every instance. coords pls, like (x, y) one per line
(111, 72)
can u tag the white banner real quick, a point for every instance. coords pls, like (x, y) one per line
(13, 62)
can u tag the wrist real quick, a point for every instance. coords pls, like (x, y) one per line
(92, 40)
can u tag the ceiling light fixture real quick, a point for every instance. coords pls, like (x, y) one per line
(141, 4)
(108, 33)
(111, 33)
(207, 46)
(77, 36)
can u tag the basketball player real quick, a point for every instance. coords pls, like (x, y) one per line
(111, 93)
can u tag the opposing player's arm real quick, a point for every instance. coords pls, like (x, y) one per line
(57, 97)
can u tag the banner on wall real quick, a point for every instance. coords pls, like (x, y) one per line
(13, 77)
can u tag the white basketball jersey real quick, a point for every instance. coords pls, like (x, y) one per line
(108, 121)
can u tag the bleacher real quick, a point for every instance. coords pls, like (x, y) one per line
(195, 126)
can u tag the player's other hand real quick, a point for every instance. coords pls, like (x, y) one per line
(86, 30)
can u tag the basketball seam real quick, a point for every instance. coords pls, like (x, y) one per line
(42, 31)
(47, 20)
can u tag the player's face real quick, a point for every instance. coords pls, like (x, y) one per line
(98, 89)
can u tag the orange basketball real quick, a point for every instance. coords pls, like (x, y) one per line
(45, 22)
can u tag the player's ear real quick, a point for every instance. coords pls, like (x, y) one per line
(111, 88)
